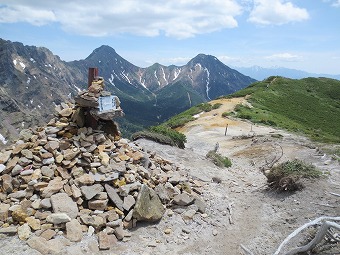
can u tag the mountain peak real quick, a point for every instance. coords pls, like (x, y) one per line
(102, 51)
(203, 58)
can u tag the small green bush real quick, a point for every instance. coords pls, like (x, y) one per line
(157, 137)
(178, 138)
(226, 114)
(286, 176)
(205, 107)
(218, 159)
(216, 106)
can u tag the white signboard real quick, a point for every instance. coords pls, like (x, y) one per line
(107, 103)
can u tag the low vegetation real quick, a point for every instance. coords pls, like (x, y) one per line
(165, 133)
(287, 175)
(218, 159)
(310, 106)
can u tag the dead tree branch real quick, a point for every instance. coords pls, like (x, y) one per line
(270, 164)
(230, 213)
(317, 239)
(335, 194)
(312, 223)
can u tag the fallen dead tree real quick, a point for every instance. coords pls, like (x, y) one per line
(327, 224)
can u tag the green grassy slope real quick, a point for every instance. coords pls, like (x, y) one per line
(310, 106)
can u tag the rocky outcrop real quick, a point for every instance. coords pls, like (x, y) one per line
(83, 181)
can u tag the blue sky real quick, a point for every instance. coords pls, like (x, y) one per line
(299, 34)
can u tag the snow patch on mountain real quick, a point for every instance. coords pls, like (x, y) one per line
(208, 81)
(2, 139)
(176, 74)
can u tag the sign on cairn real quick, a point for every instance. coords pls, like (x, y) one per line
(96, 107)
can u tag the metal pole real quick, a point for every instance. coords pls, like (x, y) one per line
(93, 73)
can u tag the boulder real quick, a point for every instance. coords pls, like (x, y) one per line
(148, 206)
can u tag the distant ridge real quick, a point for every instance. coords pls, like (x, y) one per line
(261, 73)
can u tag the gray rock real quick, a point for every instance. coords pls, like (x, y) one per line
(4, 209)
(98, 204)
(101, 196)
(119, 167)
(90, 191)
(24, 161)
(7, 186)
(183, 199)
(27, 153)
(129, 201)
(128, 217)
(5, 156)
(18, 194)
(46, 203)
(94, 221)
(74, 231)
(17, 170)
(189, 214)
(26, 172)
(115, 223)
(171, 190)
(58, 218)
(47, 171)
(119, 232)
(76, 193)
(54, 186)
(24, 232)
(106, 241)
(48, 161)
(177, 178)
(85, 179)
(148, 206)
(162, 193)
(126, 189)
(62, 203)
(52, 130)
(98, 177)
(41, 245)
(115, 198)
(201, 205)
(9, 231)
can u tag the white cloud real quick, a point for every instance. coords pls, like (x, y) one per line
(228, 60)
(12, 14)
(336, 3)
(276, 12)
(176, 60)
(286, 57)
(180, 19)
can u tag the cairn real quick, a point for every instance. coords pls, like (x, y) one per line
(76, 180)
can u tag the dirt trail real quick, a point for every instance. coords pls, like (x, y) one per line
(260, 219)
(239, 208)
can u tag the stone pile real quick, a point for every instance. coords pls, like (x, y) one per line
(65, 180)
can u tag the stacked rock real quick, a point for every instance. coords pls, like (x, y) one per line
(82, 181)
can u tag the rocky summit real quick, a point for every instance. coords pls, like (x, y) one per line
(74, 181)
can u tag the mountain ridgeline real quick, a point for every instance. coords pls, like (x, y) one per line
(33, 81)
(310, 106)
